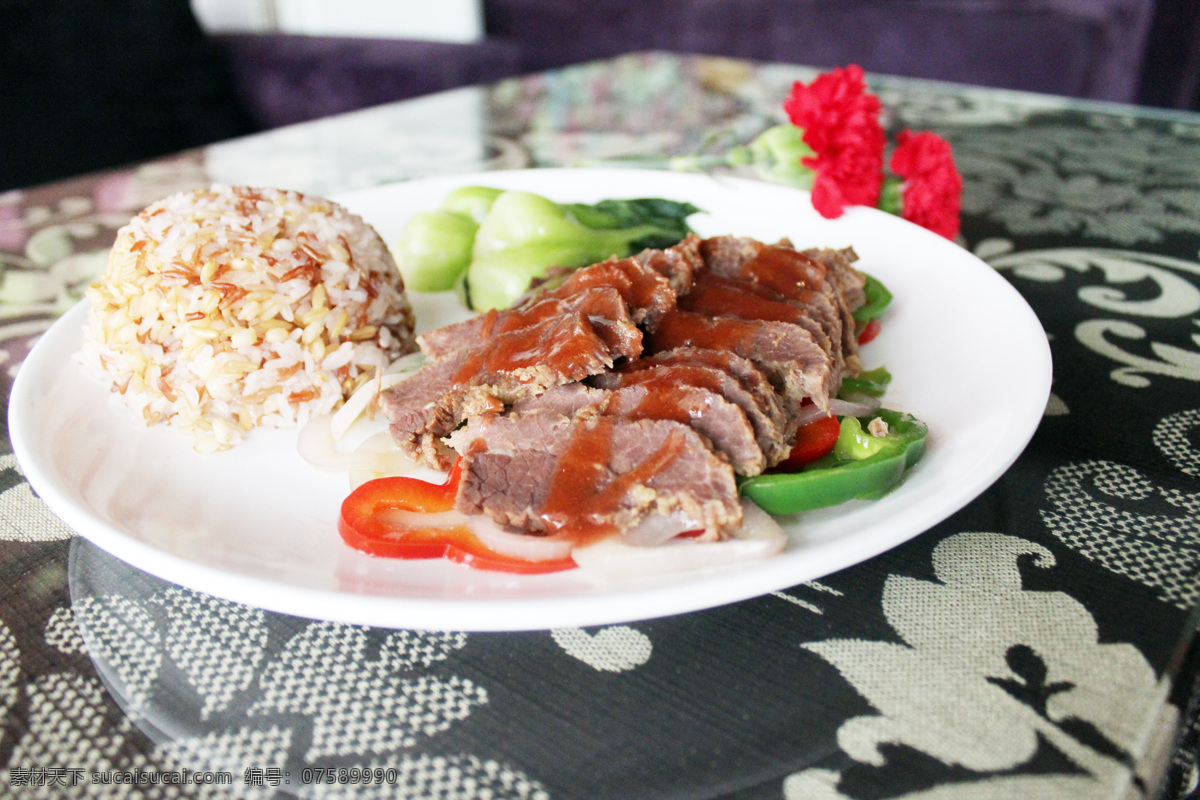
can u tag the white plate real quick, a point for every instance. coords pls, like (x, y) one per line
(257, 525)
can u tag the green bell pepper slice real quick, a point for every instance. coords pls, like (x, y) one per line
(878, 298)
(861, 466)
(872, 383)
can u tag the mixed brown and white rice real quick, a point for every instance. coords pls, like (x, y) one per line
(232, 307)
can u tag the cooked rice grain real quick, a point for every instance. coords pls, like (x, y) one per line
(232, 307)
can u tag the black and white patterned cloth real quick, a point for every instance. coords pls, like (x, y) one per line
(1036, 644)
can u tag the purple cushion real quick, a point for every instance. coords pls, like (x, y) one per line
(285, 79)
(1171, 73)
(1083, 48)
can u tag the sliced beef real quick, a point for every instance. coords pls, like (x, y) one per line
(422, 408)
(589, 477)
(749, 376)
(569, 399)
(769, 426)
(796, 364)
(678, 263)
(634, 387)
(821, 282)
(785, 270)
(780, 267)
(721, 422)
(647, 292)
(849, 294)
(774, 426)
(605, 308)
(717, 295)
(505, 366)
(839, 266)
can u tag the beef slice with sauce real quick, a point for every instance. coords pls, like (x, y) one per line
(717, 295)
(601, 456)
(678, 263)
(821, 280)
(723, 424)
(604, 306)
(590, 476)
(647, 292)
(584, 339)
(787, 354)
(735, 378)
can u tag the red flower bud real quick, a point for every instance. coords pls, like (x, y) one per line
(932, 188)
(840, 121)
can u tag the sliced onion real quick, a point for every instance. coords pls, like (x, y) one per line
(658, 528)
(758, 525)
(316, 446)
(408, 363)
(360, 475)
(611, 560)
(364, 398)
(400, 518)
(376, 454)
(859, 407)
(839, 408)
(527, 547)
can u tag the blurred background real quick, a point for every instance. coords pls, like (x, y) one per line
(90, 84)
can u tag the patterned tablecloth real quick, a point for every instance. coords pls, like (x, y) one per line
(1034, 645)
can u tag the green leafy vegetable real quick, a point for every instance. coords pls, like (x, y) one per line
(435, 250)
(471, 201)
(525, 233)
(435, 247)
(491, 244)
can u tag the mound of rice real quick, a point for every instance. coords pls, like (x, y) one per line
(232, 307)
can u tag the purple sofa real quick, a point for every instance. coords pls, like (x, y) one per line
(1082, 48)
(77, 98)
(285, 79)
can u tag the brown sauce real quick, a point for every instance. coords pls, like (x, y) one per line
(663, 400)
(690, 329)
(638, 286)
(584, 496)
(784, 271)
(719, 296)
(567, 344)
(665, 378)
(600, 306)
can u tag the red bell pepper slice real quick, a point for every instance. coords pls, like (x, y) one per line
(869, 331)
(813, 440)
(363, 526)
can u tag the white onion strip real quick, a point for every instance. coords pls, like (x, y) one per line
(839, 408)
(366, 398)
(611, 560)
(375, 457)
(520, 545)
(524, 546)
(658, 528)
(377, 454)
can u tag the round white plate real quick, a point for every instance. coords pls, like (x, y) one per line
(257, 524)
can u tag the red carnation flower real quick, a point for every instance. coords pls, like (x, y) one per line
(840, 121)
(932, 189)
